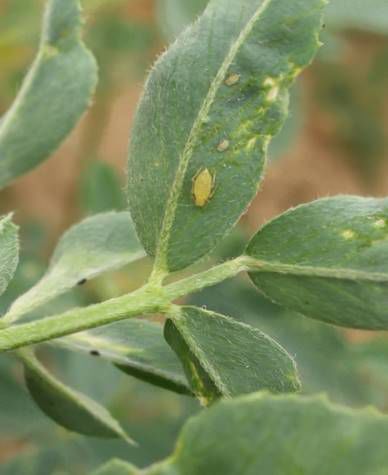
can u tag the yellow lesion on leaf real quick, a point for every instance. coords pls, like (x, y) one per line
(266, 141)
(203, 187)
(251, 144)
(348, 234)
(380, 223)
(232, 79)
(273, 89)
(201, 391)
(244, 129)
(223, 145)
(295, 70)
(50, 51)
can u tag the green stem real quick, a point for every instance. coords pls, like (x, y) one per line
(143, 301)
(28, 358)
(147, 300)
(205, 279)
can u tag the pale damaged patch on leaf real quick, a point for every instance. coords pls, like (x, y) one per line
(380, 223)
(348, 234)
(336, 267)
(273, 89)
(232, 79)
(213, 100)
(223, 145)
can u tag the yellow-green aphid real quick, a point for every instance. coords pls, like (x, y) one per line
(203, 187)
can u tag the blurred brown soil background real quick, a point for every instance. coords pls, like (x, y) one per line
(315, 165)
(328, 157)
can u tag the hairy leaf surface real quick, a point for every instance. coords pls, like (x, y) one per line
(212, 103)
(277, 435)
(225, 358)
(101, 189)
(54, 95)
(9, 251)
(98, 244)
(67, 407)
(328, 260)
(323, 355)
(137, 347)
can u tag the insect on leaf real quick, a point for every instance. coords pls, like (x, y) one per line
(211, 106)
(203, 187)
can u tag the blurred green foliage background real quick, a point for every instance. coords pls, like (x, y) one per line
(335, 141)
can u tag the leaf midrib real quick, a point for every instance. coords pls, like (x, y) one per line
(259, 266)
(83, 402)
(172, 203)
(202, 358)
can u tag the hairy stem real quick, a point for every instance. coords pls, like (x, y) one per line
(28, 358)
(143, 301)
(205, 279)
(149, 299)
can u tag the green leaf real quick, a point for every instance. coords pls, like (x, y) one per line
(54, 95)
(370, 16)
(117, 467)
(371, 357)
(225, 358)
(219, 122)
(174, 15)
(137, 347)
(100, 243)
(9, 251)
(324, 357)
(327, 260)
(100, 189)
(67, 407)
(19, 416)
(280, 435)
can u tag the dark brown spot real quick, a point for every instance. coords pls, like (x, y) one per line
(95, 353)
(81, 282)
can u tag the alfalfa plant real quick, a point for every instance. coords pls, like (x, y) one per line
(210, 107)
